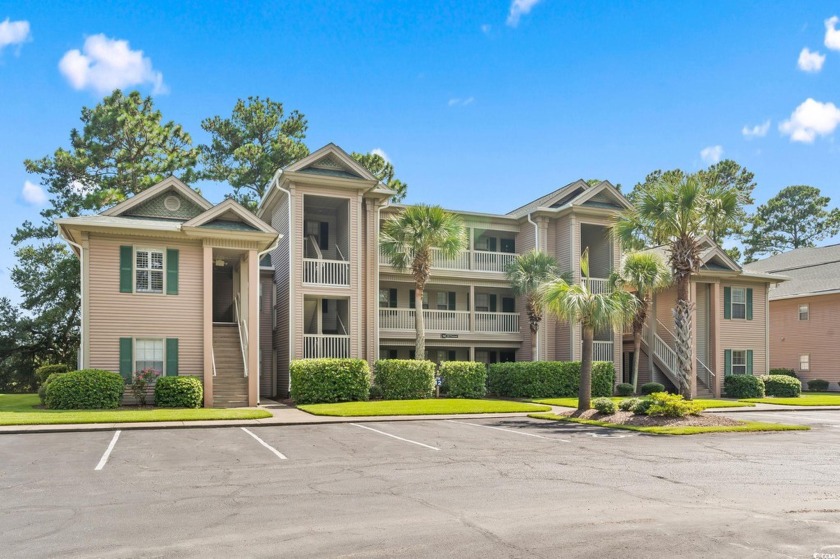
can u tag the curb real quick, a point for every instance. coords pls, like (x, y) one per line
(787, 409)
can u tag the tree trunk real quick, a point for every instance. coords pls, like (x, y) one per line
(419, 323)
(682, 331)
(585, 390)
(637, 349)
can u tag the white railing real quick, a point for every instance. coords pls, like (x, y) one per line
(705, 374)
(461, 261)
(440, 321)
(597, 285)
(497, 322)
(317, 346)
(213, 360)
(602, 351)
(242, 326)
(492, 261)
(326, 272)
(466, 260)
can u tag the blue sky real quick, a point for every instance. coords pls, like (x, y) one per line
(480, 105)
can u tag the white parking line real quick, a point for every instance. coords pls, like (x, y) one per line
(786, 416)
(509, 431)
(395, 437)
(104, 459)
(265, 444)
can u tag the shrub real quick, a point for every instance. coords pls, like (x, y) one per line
(818, 385)
(743, 386)
(547, 379)
(785, 372)
(651, 388)
(375, 392)
(624, 389)
(604, 405)
(179, 392)
(628, 404)
(781, 386)
(88, 389)
(42, 390)
(405, 379)
(464, 379)
(43, 372)
(642, 405)
(140, 382)
(329, 380)
(663, 404)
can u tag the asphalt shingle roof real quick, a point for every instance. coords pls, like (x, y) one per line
(812, 271)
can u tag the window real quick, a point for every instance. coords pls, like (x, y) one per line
(805, 362)
(148, 266)
(739, 361)
(482, 302)
(739, 302)
(388, 298)
(148, 354)
(804, 314)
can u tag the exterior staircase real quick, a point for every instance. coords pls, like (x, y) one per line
(665, 361)
(230, 385)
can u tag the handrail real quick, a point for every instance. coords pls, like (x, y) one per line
(709, 374)
(341, 323)
(314, 243)
(341, 254)
(213, 359)
(243, 333)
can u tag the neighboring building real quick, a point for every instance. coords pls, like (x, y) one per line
(804, 311)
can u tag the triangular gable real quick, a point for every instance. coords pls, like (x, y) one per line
(716, 257)
(168, 199)
(334, 161)
(602, 194)
(231, 216)
(554, 199)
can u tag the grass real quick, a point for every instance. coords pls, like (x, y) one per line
(703, 403)
(806, 399)
(440, 406)
(744, 427)
(19, 409)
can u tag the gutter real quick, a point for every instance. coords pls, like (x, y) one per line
(259, 258)
(276, 183)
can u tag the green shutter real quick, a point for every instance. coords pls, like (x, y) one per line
(491, 244)
(392, 298)
(172, 271)
(727, 362)
(411, 298)
(126, 358)
(749, 361)
(492, 303)
(452, 355)
(171, 357)
(727, 303)
(126, 269)
(749, 303)
(451, 301)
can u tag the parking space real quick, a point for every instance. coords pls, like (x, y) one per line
(816, 419)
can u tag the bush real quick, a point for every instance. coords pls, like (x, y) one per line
(375, 392)
(652, 388)
(179, 392)
(329, 380)
(663, 404)
(642, 406)
(464, 379)
(88, 389)
(785, 372)
(743, 386)
(43, 372)
(547, 379)
(781, 386)
(624, 389)
(42, 390)
(604, 405)
(405, 379)
(818, 385)
(628, 404)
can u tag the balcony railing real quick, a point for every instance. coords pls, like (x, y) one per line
(450, 321)
(602, 351)
(333, 273)
(597, 285)
(467, 260)
(318, 346)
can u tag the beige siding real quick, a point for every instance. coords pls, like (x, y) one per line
(818, 337)
(267, 381)
(746, 334)
(524, 243)
(280, 261)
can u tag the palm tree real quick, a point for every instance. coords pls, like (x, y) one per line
(594, 311)
(677, 213)
(526, 274)
(407, 240)
(643, 273)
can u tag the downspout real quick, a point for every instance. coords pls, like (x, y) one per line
(275, 182)
(259, 279)
(537, 247)
(378, 263)
(81, 359)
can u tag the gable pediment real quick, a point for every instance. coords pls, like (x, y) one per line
(333, 161)
(229, 216)
(168, 199)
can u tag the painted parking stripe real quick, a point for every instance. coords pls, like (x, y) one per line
(787, 416)
(395, 437)
(509, 431)
(104, 459)
(265, 444)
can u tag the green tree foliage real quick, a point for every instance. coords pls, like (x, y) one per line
(526, 274)
(798, 216)
(383, 170)
(247, 148)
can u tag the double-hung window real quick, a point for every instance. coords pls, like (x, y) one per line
(148, 267)
(804, 312)
(805, 362)
(148, 354)
(739, 361)
(739, 302)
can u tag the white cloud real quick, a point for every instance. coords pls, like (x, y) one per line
(486, 28)
(810, 61)
(757, 131)
(832, 34)
(711, 154)
(809, 120)
(13, 33)
(106, 64)
(381, 153)
(33, 194)
(459, 102)
(519, 8)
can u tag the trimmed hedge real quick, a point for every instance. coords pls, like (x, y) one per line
(818, 385)
(42, 390)
(651, 388)
(43, 372)
(405, 379)
(179, 392)
(624, 389)
(604, 405)
(782, 386)
(547, 379)
(781, 371)
(464, 379)
(743, 386)
(316, 381)
(88, 389)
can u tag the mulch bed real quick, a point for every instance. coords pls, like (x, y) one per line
(629, 418)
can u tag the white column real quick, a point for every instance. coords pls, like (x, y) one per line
(253, 322)
(207, 271)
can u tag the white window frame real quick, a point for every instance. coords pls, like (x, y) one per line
(149, 270)
(807, 360)
(744, 364)
(442, 301)
(486, 306)
(384, 298)
(135, 357)
(732, 303)
(807, 312)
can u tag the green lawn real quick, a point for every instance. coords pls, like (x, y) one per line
(703, 403)
(19, 409)
(807, 399)
(746, 426)
(440, 406)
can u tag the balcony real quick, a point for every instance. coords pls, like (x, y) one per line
(468, 260)
(318, 346)
(597, 285)
(328, 273)
(450, 321)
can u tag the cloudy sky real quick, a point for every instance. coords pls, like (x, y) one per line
(480, 105)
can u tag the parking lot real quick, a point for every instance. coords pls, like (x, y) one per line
(461, 488)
